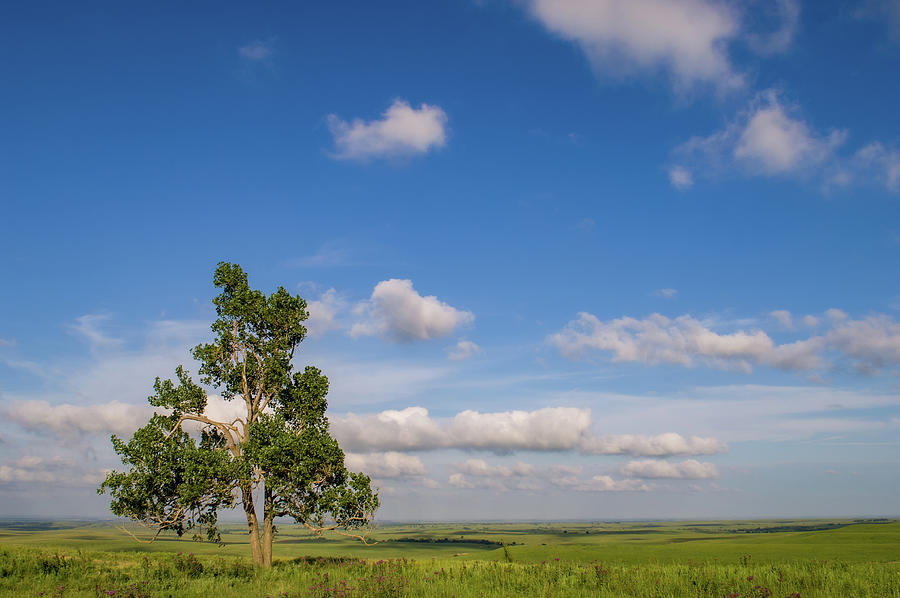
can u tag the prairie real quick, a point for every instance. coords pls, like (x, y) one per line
(675, 558)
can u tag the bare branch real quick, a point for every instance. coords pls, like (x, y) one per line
(130, 533)
(225, 428)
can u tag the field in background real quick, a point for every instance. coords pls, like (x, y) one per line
(708, 558)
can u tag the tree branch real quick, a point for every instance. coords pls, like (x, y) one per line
(226, 428)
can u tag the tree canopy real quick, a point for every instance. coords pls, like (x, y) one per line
(278, 452)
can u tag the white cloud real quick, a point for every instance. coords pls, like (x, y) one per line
(770, 138)
(402, 131)
(871, 343)
(58, 471)
(548, 429)
(257, 50)
(687, 38)
(681, 178)
(458, 480)
(476, 473)
(661, 445)
(774, 142)
(323, 313)
(464, 350)
(810, 321)
(113, 417)
(396, 311)
(764, 139)
(7, 343)
(604, 483)
(683, 341)
(652, 468)
(385, 465)
(480, 468)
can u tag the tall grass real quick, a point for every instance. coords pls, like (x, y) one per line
(43, 572)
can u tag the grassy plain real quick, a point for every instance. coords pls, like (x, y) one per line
(710, 558)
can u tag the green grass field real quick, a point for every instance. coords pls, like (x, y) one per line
(711, 558)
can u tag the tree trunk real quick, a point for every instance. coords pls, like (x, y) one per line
(268, 530)
(252, 525)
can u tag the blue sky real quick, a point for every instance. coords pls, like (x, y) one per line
(564, 258)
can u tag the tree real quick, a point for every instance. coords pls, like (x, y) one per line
(279, 450)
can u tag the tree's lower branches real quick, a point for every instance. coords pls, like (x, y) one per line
(336, 528)
(226, 429)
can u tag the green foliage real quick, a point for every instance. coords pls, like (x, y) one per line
(281, 445)
(173, 483)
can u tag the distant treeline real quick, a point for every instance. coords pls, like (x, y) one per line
(480, 541)
(789, 528)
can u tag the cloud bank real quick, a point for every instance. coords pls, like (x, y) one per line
(869, 345)
(548, 429)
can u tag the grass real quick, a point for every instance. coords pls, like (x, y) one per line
(755, 559)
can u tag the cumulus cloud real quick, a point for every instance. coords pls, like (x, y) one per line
(521, 476)
(770, 138)
(666, 293)
(402, 131)
(323, 313)
(774, 142)
(385, 465)
(31, 469)
(113, 417)
(686, 39)
(464, 350)
(548, 429)
(871, 343)
(396, 311)
(476, 473)
(458, 480)
(661, 445)
(683, 341)
(480, 468)
(686, 470)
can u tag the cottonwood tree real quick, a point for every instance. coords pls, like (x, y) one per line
(278, 450)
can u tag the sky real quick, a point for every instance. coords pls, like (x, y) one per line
(564, 259)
